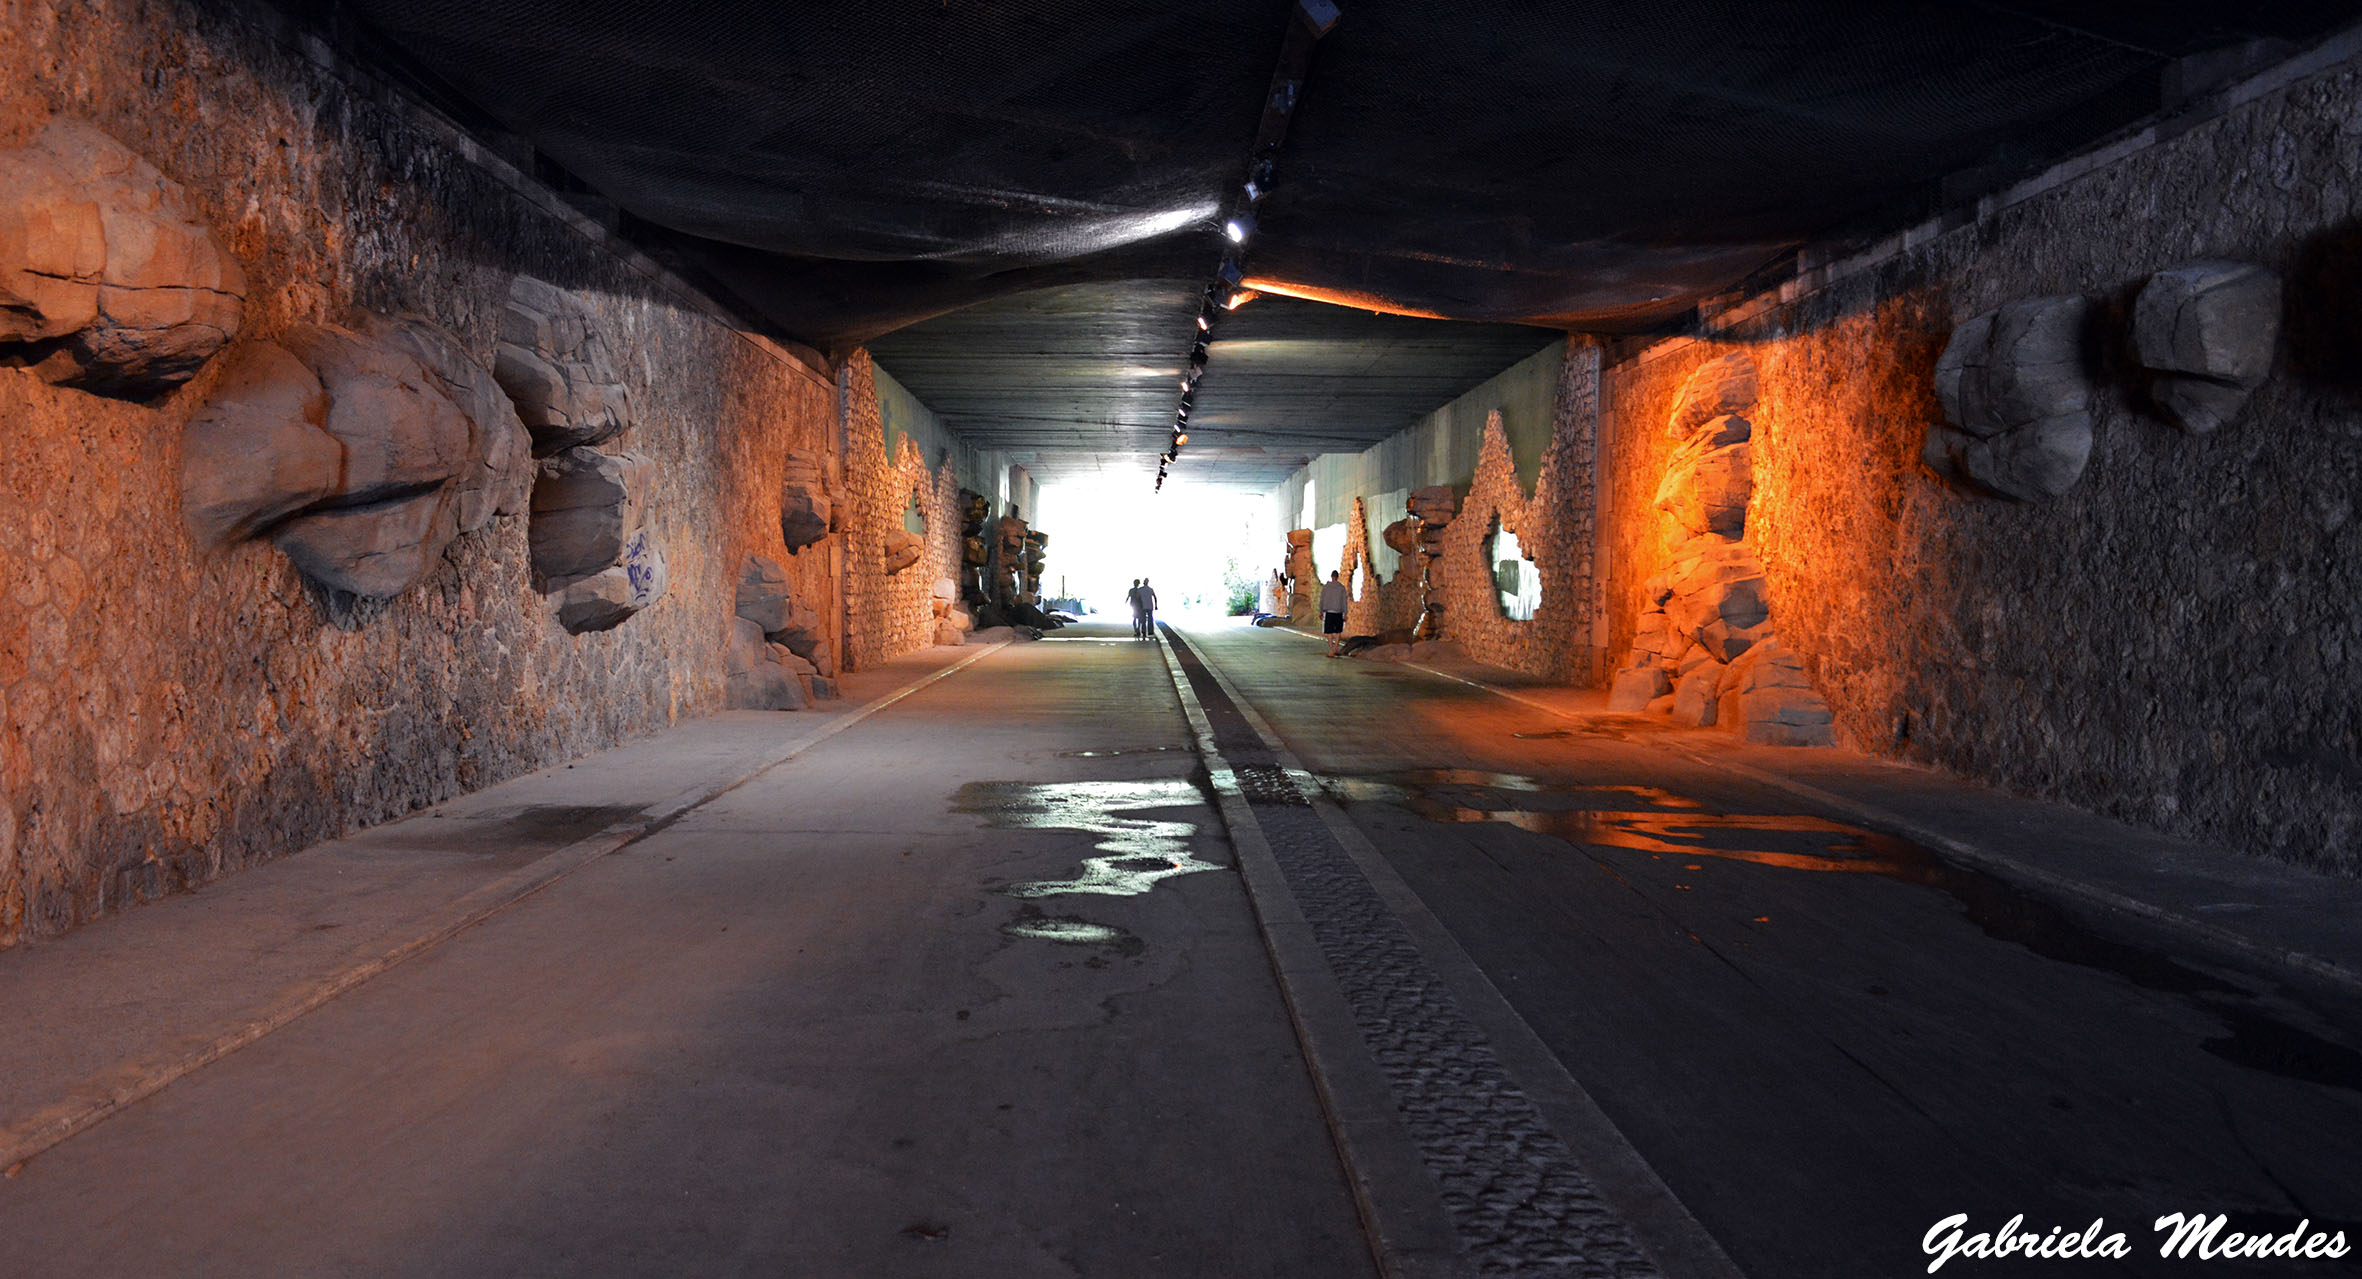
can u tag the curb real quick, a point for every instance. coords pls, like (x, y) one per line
(101, 1097)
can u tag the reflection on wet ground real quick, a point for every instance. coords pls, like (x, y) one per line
(1090, 639)
(2261, 1031)
(1140, 850)
(1073, 931)
(1120, 750)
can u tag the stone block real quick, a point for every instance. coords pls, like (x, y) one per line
(1402, 535)
(500, 479)
(259, 449)
(1706, 489)
(1719, 595)
(762, 595)
(377, 550)
(1722, 386)
(586, 507)
(108, 283)
(400, 433)
(557, 369)
(754, 678)
(806, 507)
(1781, 716)
(948, 634)
(607, 598)
(946, 589)
(1435, 504)
(1694, 696)
(1299, 537)
(1633, 689)
(2207, 330)
(2017, 400)
(1659, 705)
(899, 550)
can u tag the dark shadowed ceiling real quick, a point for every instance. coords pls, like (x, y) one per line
(850, 171)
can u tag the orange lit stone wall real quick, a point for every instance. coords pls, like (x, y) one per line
(167, 714)
(2176, 641)
(889, 614)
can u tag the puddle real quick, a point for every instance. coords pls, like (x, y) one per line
(1647, 819)
(1124, 750)
(1071, 931)
(511, 834)
(1139, 852)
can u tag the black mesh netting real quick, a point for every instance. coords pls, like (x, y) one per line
(851, 167)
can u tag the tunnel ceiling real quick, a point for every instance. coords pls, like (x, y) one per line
(851, 171)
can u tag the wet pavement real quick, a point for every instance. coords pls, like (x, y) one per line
(1827, 1039)
(969, 990)
(976, 987)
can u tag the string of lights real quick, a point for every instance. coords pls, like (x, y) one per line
(1228, 292)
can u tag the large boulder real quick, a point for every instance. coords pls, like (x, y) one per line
(591, 549)
(108, 283)
(899, 550)
(1402, 536)
(2016, 399)
(805, 507)
(1706, 486)
(754, 676)
(1694, 696)
(1720, 597)
(500, 480)
(586, 506)
(1635, 687)
(605, 599)
(1435, 504)
(1721, 386)
(259, 449)
(404, 441)
(557, 369)
(1766, 698)
(763, 595)
(2207, 330)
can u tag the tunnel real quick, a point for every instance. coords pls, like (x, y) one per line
(1286, 638)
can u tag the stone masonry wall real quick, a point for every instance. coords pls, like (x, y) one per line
(888, 614)
(166, 714)
(2177, 640)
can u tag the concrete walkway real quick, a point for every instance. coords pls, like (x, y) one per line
(1211, 957)
(915, 1002)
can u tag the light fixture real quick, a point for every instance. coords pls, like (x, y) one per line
(1181, 439)
(1240, 226)
(1205, 322)
(1239, 298)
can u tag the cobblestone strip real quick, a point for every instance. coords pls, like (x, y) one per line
(1509, 1184)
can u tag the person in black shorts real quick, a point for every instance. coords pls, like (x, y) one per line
(1333, 599)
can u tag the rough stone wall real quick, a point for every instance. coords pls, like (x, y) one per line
(888, 614)
(1364, 613)
(1554, 642)
(2177, 640)
(167, 715)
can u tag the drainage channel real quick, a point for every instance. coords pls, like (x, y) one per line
(1513, 1192)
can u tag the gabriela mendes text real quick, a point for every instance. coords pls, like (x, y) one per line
(2179, 1236)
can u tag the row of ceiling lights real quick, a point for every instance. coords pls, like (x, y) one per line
(1227, 293)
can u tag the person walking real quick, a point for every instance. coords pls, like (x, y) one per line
(1132, 598)
(1147, 607)
(1333, 599)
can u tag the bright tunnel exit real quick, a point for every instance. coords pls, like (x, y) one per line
(1204, 550)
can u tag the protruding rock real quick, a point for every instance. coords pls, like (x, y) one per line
(378, 550)
(763, 593)
(396, 507)
(501, 480)
(755, 680)
(557, 369)
(1706, 490)
(605, 599)
(899, 550)
(586, 506)
(949, 635)
(805, 506)
(1402, 536)
(1723, 385)
(1435, 504)
(1634, 688)
(946, 589)
(1299, 537)
(107, 283)
(1694, 694)
(1720, 596)
(2208, 330)
(2014, 391)
(259, 450)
